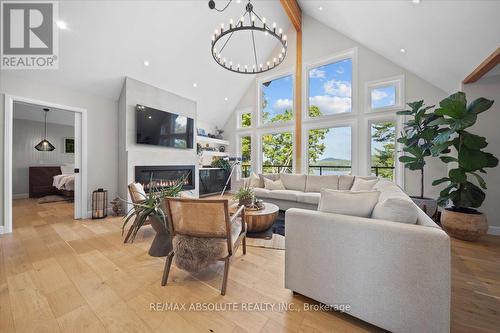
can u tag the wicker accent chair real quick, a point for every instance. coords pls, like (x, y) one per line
(206, 219)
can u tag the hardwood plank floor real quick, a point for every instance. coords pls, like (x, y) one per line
(62, 275)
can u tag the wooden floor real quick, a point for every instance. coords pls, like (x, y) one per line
(57, 274)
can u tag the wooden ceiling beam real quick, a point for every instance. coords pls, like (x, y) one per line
(292, 9)
(487, 65)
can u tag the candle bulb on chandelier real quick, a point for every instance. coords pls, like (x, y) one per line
(264, 22)
(253, 20)
(231, 23)
(222, 27)
(274, 26)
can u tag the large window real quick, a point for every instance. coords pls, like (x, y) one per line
(329, 151)
(246, 155)
(330, 88)
(383, 152)
(276, 99)
(277, 152)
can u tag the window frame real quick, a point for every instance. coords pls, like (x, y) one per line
(399, 168)
(239, 136)
(398, 82)
(289, 72)
(352, 123)
(347, 54)
(273, 130)
(241, 112)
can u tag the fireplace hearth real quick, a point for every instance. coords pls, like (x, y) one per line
(163, 176)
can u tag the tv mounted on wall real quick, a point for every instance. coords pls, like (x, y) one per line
(161, 128)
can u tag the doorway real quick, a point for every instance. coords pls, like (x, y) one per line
(44, 159)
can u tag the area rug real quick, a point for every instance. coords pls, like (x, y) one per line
(273, 238)
(53, 198)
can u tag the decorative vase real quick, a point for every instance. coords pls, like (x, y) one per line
(162, 243)
(428, 205)
(466, 226)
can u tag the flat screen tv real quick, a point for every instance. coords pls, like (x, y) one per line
(161, 128)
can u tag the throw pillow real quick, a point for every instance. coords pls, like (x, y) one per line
(361, 184)
(396, 210)
(273, 184)
(348, 203)
(254, 181)
(345, 182)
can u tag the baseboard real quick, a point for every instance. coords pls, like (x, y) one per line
(492, 230)
(20, 196)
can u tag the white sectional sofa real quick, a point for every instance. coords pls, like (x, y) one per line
(394, 275)
(302, 191)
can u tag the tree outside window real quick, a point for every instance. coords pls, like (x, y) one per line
(383, 139)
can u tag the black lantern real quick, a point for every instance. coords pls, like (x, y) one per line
(99, 204)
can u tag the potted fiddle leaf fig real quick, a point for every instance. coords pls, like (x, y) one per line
(151, 209)
(417, 139)
(465, 185)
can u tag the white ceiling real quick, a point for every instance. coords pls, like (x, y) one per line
(108, 40)
(35, 112)
(444, 40)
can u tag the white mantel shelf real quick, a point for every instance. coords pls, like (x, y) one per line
(212, 140)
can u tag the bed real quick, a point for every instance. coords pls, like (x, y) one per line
(50, 180)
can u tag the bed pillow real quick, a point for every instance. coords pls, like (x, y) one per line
(348, 203)
(273, 184)
(67, 169)
(361, 184)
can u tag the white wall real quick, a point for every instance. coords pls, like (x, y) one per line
(487, 126)
(102, 128)
(320, 42)
(131, 154)
(26, 134)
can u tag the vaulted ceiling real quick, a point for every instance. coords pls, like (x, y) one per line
(444, 40)
(108, 40)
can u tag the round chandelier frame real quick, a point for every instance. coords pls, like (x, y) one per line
(247, 22)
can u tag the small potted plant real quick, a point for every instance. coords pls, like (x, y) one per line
(462, 220)
(151, 209)
(417, 137)
(245, 195)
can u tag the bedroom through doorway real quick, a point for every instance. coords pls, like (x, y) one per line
(45, 149)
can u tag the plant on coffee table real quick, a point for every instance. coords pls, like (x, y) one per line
(245, 195)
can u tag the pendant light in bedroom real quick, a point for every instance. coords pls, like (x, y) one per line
(45, 145)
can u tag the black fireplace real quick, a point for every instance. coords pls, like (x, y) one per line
(162, 176)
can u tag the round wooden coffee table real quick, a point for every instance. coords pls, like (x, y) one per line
(261, 220)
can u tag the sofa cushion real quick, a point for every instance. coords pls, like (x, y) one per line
(345, 182)
(396, 209)
(255, 181)
(273, 184)
(294, 182)
(316, 183)
(309, 198)
(348, 203)
(361, 184)
(289, 195)
(272, 176)
(261, 192)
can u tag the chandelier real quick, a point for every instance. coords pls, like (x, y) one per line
(252, 22)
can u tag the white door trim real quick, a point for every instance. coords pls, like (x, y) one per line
(81, 207)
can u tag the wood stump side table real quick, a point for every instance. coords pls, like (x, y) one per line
(261, 220)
